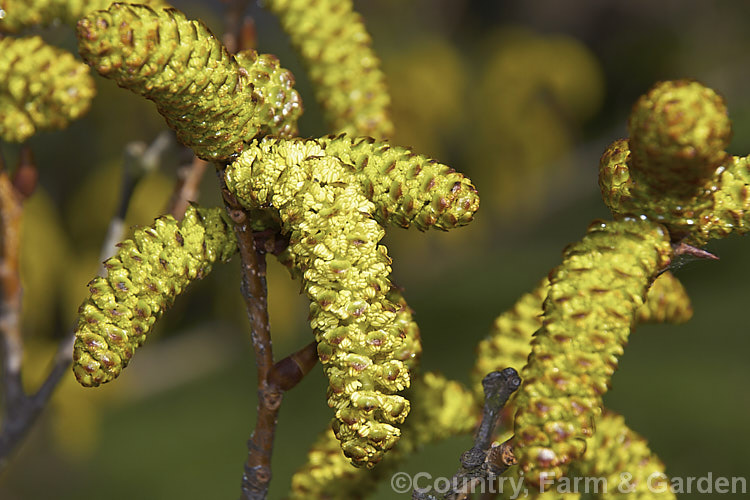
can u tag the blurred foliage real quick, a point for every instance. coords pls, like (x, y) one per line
(523, 96)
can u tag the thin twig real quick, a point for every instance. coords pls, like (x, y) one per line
(138, 160)
(257, 474)
(273, 379)
(21, 410)
(480, 462)
(187, 189)
(235, 22)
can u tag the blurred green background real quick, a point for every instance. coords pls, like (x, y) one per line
(523, 96)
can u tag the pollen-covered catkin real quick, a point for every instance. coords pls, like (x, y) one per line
(334, 45)
(334, 245)
(22, 14)
(143, 279)
(667, 301)
(407, 188)
(441, 408)
(623, 459)
(42, 87)
(592, 301)
(363, 342)
(214, 101)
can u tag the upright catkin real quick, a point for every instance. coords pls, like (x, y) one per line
(143, 278)
(215, 102)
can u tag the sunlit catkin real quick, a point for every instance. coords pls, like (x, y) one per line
(143, 278)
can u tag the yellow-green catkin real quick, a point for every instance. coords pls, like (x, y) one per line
(333, 43)
(440, 408)
(508, 344)
(622, 458)
(22, 14)
(322, 204)
(590, 307)
(674, 168)
(407, 188)
(42, 88)
(142, 281)
(667, 302)
(215, 102)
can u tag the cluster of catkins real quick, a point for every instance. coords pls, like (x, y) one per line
(43, 87)
(331, 197)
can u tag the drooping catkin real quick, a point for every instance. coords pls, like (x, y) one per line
(508, 344)
(42, 88)
(22, 14)
(674, 169)
(215, 102)
(322, 204)
(622, 458)
(441, 408)
(588, 313)
(333, 43)
(407, 188)
(143, 278)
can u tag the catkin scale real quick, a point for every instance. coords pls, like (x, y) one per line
(215, 102)
(590, 307)
(143, 279)
(43, 87)
(365, 342)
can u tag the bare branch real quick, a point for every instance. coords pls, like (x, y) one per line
(187, 188)
(480, 462)
(21, 410)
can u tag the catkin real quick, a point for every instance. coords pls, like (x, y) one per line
(508, 344)
(322, 204)
(674, 169)
(623, 459)
(590, 307)
(333, 43)
(441, 408)
(143, 279)
(22, 14)
(407, 188)
(42, 88)
(215, 102)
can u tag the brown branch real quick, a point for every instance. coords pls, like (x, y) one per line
(235, 36)
(481, 462)
(288, 372)
(273, 379)
(187, 188)
(257, 474)
(20, 410)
